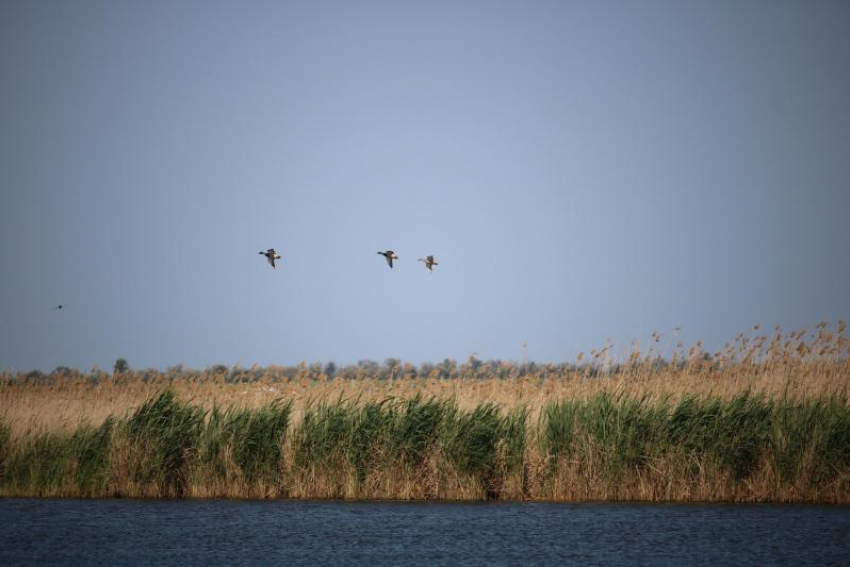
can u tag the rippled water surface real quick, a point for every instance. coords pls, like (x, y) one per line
(124, 532)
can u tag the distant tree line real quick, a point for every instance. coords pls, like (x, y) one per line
(391, 369)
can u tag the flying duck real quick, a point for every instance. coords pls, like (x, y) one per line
(429, 262)
(271, 256)
(390, 256)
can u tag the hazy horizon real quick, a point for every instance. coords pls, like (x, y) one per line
(580, 170)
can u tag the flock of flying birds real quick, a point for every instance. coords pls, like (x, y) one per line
(271, 256)
(430, 262)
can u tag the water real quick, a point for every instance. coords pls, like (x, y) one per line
(124, 532)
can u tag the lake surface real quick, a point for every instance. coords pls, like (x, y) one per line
(216, 532)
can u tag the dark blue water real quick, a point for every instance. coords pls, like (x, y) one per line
(125, 532)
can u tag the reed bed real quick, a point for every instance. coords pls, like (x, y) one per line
(607, 447)
(765, 420)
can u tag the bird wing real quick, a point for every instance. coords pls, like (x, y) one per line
(271, 260)
(390, 260)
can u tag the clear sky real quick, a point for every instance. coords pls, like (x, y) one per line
(581, 170)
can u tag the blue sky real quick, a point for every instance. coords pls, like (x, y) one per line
(581, 170)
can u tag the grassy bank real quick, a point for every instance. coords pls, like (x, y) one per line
(606, 447)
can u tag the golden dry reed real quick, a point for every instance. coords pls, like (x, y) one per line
(766, 419)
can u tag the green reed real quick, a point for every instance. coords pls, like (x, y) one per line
(50, 463)
(800, 439)
(164, 437)
(254, 438)
(750, 447)
(373, 438)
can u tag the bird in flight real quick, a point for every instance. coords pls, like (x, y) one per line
(271, 256)
(390, 256)
(429, 262)
(60, 306)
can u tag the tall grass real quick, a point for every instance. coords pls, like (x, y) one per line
(402, 448)
(5, 449)
(798, 364)
(764, 419)
(609, 446)
(163, 438)
(253, 437)
(50, 463)
(750, 447)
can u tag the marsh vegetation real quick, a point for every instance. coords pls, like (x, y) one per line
(767, 419)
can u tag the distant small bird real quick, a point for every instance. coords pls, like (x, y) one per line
(59, 307)
(271, 256)
(429, 262)
(390, 256)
